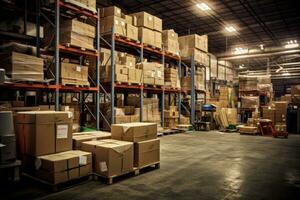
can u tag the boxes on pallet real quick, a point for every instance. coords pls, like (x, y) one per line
(295, 93)
(110, 11)
(286, 97)
(127, 59)
(89, 136)
(193, 41)
(170, 122)
(129, 110)
(134, 132)
(65, 166)
(186, 81)
(87, 4)
(153, 73)
(111, 157)
(199, 56)
(247, 83)
(184, 120)
(159, 74)
(119, 24)
(146, 35)
(171, 77)
(170, 41)
(268, 113)
(121, 73)
(146, 152)
(130, 20)
(74, 74)
(77, 33)
(19, 66)
(146, 20)
(250, 102)
(43, 132)
(132, 32)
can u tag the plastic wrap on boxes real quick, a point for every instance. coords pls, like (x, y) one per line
(250, 102)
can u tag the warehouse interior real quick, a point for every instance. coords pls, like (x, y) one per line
(152, 99)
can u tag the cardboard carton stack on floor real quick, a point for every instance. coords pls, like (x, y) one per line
(20, 66)
(194, 46)
(170, 41)
(78, 34)
(171, 116)
(152, 72)
(144, 138)
(149, 29)
(80, 137)
(171, 78)
(44, 141)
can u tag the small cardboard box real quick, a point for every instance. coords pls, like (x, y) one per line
(129, 110)
(146, 152)
(132, 32)
(157, 24)
(110, 11)
(89, 136)
(111, 157)
(134, 132)
(118, 22)
(146, 35)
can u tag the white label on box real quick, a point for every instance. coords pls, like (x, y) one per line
(103, 166)
(159, 74)
(62, 131)
(78, 68)
(82, 160)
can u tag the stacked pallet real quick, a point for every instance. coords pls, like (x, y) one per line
(171, 116)
(170, 41)
(149, 29)
(194, 46)
(153, 73)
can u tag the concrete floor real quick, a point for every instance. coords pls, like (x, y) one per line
(200, 166)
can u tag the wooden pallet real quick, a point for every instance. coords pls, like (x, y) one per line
(172, 88)
(76, 83)
(171, 54)
(184, 127)
(172, 131)
(126, 83)
(127, 38)
(69, 45)
(152, 47)
(59, 186)
(134, 172)
(153, 86)
(31, 81)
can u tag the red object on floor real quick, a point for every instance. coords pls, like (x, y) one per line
(267, 129)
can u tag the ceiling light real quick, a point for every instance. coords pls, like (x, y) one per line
(286, 73)
(291, 44)
(230, 29)
(241, 66)
(203, 6)
(239, 50)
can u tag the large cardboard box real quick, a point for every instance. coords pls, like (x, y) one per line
(157, 39)
(43, 132)
(110, 11)
(250, 102)
(144, 19)
(157, 24)
(132, 32)
(280, 111)
(74, 74)
(193, 41)
(170, 41)
(111, 157)
(118, 22)
(20, 66)
(65, 166)
(88, 136)
(146, 35)
(146, 152)
(134, 132)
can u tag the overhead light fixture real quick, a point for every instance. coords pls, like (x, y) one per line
(203, 6)
(241, 66)
(291, 44)
(261, 46)
(286, 73)
(230, 29)
(239, 50)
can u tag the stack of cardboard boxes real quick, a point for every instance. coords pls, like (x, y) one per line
(80, 137)
(250, 102)
(247, 83)
(171, 116)
(170, 41)
(132, 145)
(171, 78)
(153, 73)
(186, 81)
(194, 46)
(74, 74)
(295, 93)
(76, 33)
(149, 29)
(44, 141)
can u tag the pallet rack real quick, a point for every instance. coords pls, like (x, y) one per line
(142, 49)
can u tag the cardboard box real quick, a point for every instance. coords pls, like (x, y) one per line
(20, 66)
(111, 157)
(193, 41)
(144, 19)
(129, 110)
(43, 132)
(134, 118)
(250, 102)
(170, 41)
(132, 32)
(65, 166)
(110, 11)
(280, 111)
(88, 136)
(118, 22)
(146, 35)
(146, 152)
(134, 132)
(157, 24)
(128, 60)
(74, 74)
(157, 39)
